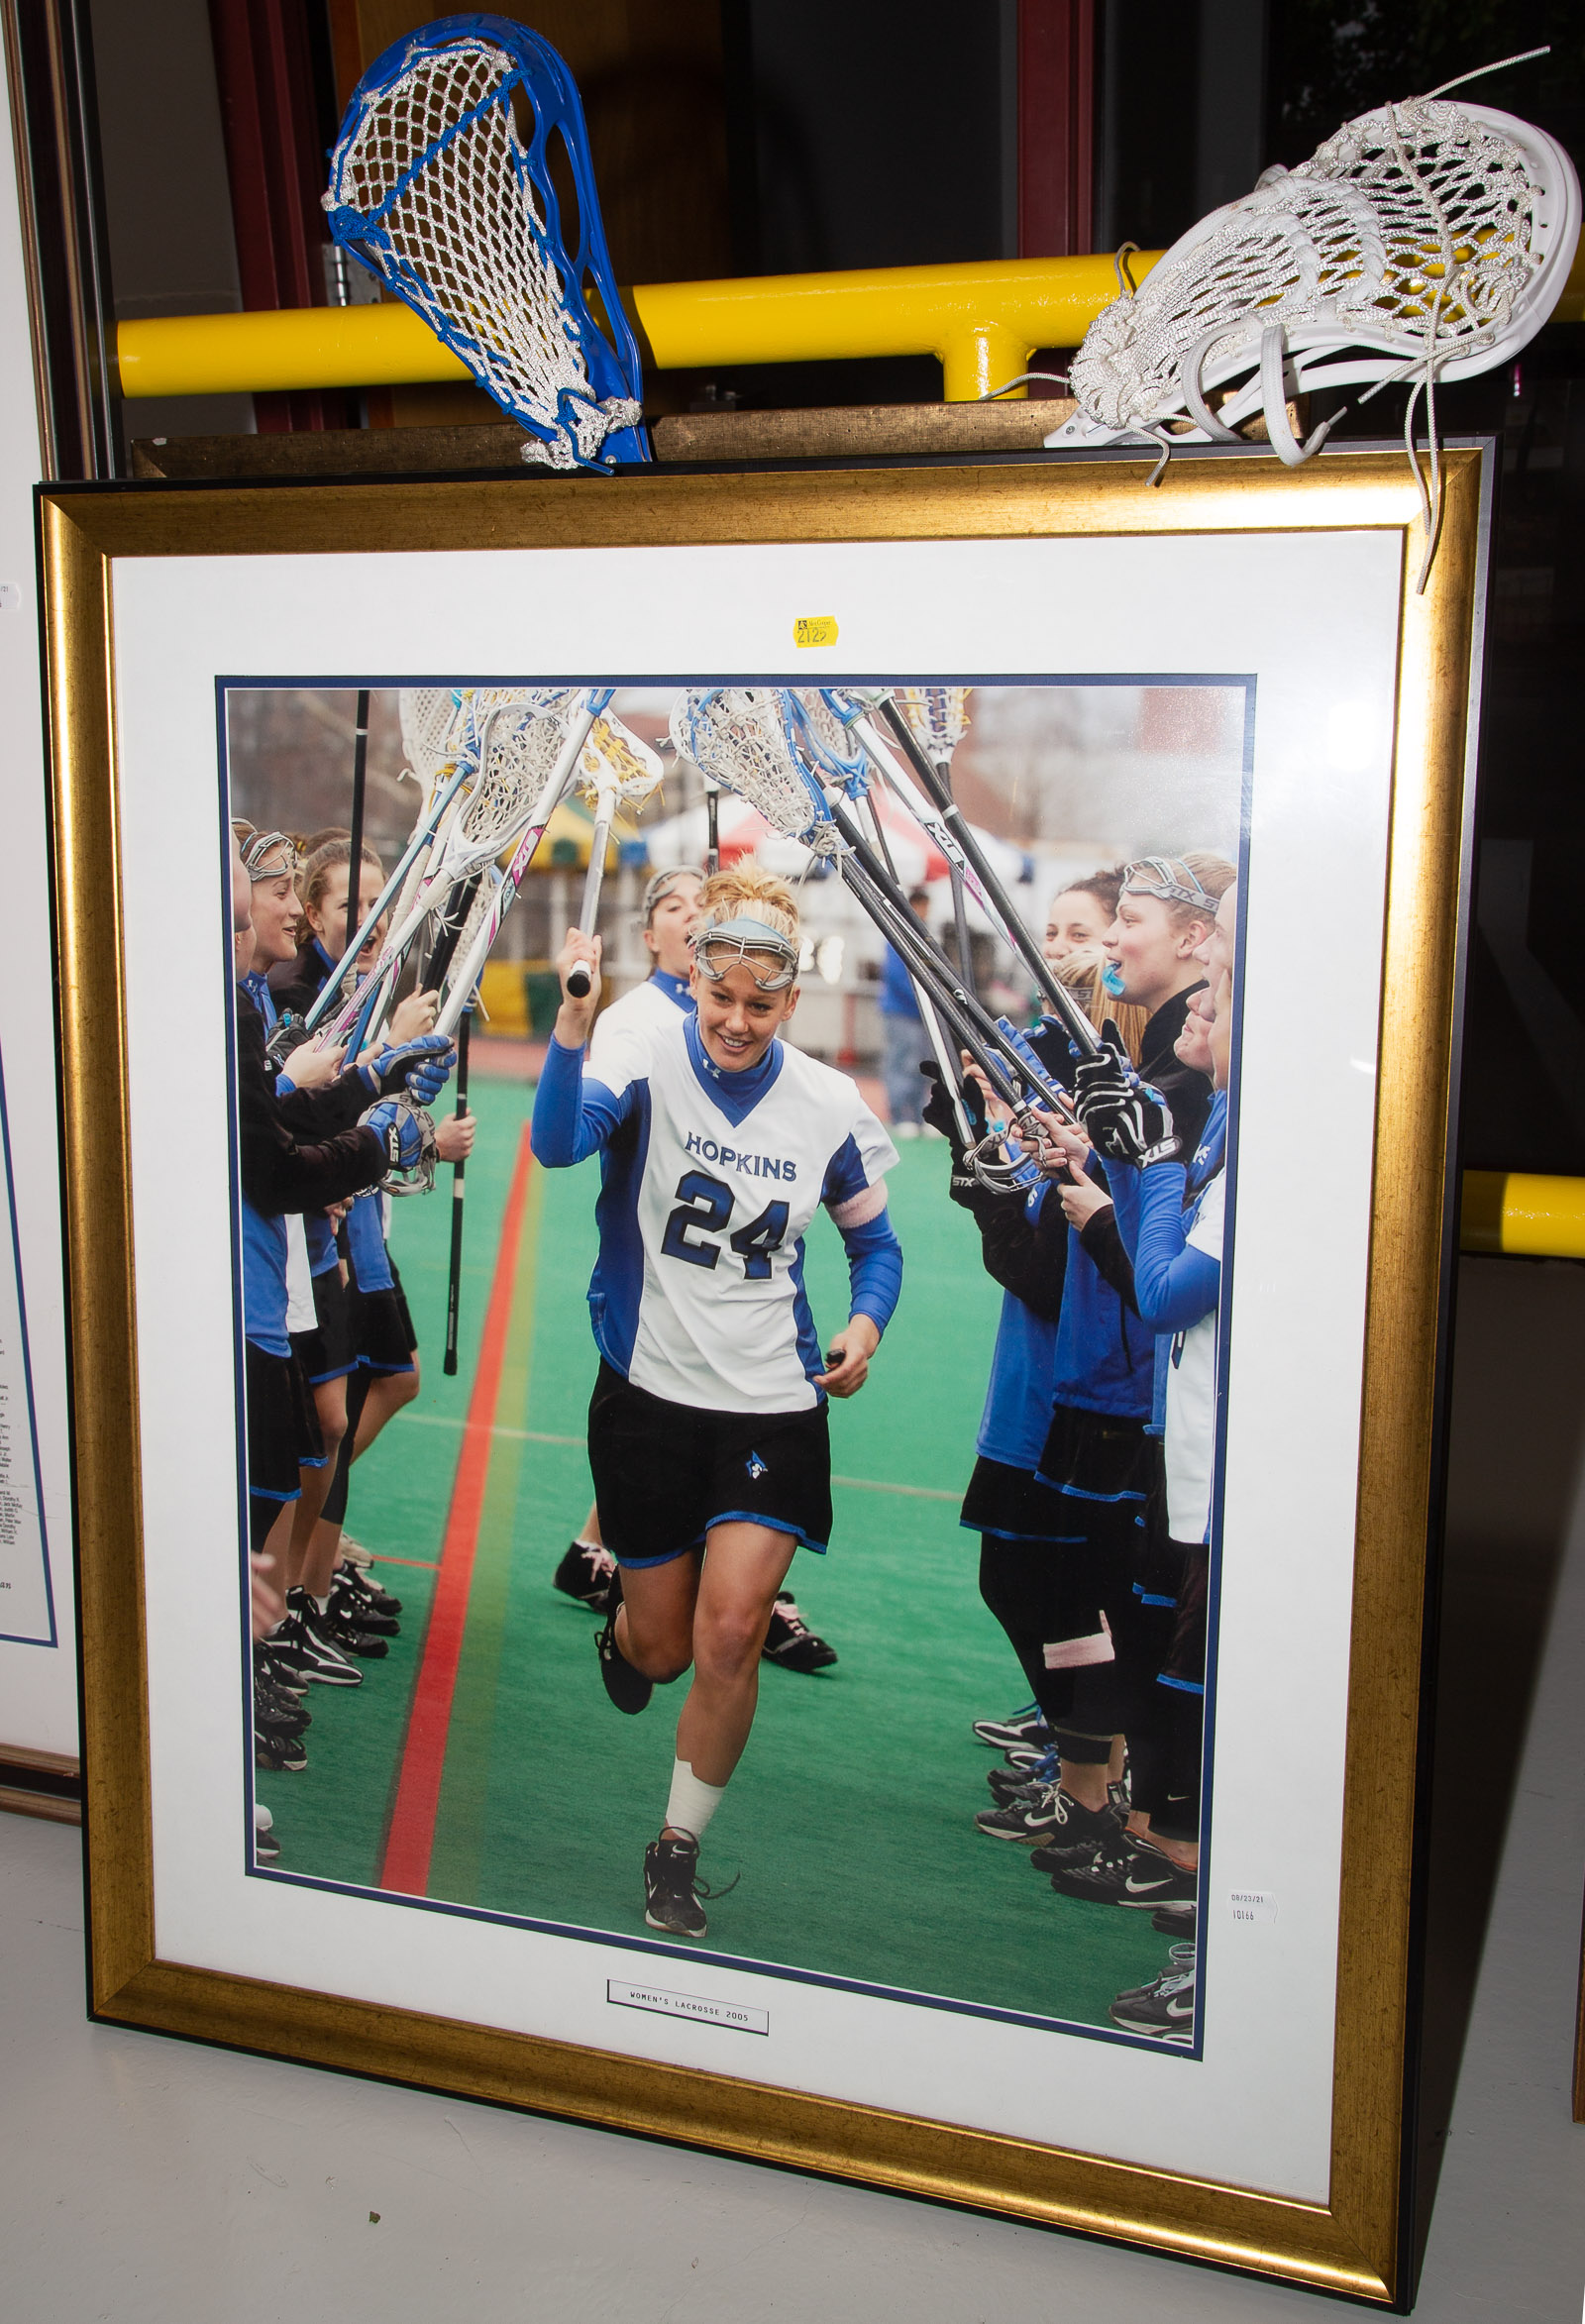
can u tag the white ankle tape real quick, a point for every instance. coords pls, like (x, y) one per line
(692, 1803)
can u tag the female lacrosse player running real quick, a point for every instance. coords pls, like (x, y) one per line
(708, 1432)
(671, 913)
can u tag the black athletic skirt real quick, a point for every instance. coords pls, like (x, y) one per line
(326, 1352)
(283, 1424)
(665, 1473)
(1103, 1457)
(380, 1327)
(1013, 1506)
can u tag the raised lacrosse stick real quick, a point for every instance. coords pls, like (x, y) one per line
(869, 870)
(826, 738)
(616, 769)
(431, 817)
(939, 719)
(514, 750)
(440, 182)
(747, 739)
(468, 966)
(939, 815)
(454, 1277)
(823, 749)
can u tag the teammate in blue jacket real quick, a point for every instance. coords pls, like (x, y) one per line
(708, 1436)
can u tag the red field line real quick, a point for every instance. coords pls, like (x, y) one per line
(410, 1839)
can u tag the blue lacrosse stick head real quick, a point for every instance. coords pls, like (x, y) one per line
(440, 182)
(850, 770)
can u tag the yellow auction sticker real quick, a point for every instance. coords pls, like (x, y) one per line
(815, 629)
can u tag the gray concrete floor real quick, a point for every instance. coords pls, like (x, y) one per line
(145, 2180)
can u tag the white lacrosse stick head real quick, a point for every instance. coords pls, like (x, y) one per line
(616, 761)
(428, 716)
(738, 738)
(937, 717)
(516, 740)
(1426, 236)
(440, 182)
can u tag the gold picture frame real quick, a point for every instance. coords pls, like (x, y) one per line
(1355, 2242)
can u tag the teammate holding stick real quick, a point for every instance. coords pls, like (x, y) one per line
(709, 1434)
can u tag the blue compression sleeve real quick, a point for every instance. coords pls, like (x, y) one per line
(1173, 1285)
(575, 1115)
(875, 1269)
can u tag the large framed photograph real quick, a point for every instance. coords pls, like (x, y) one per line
(969, 1745)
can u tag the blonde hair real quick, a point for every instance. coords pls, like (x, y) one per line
(749, 889)
(1214, 875)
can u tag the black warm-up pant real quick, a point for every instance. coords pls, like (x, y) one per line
(334, 1512)
(1086, 1644)
(1167, 1784)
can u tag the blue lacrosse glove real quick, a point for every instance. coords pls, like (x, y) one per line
(419, 1069)
(1127, 1120)
(400, 1132)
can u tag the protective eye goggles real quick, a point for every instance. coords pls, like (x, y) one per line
(262, 845)
(663, 882)
(1171, 879)
(731, 943)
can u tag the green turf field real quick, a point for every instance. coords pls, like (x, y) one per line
(850, 1817)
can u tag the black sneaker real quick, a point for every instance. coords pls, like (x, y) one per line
(628, 1688)
(789, 1641)
(278, 1752)
(1166, 2006)
(1122, 1872)
(363, 1585)
(268, 1689)
(672, 1886)
(1051, 1822)
(267, 1847)
(585, 1573)
(301, 1649)
(270, 1670)
(1024, 1731)
(353, 1612)
(1175, 1920)
(330, 1630)
(1023, 1781)
(275, 1713)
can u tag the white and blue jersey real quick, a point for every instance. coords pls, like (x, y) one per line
(709, 1181)
(661, 998)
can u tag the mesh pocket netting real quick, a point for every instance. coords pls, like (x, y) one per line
(613, 755)
(937, 717)
(738, 737)
(1417, 233)
(428, 714)
(440, 182)
(519, 756)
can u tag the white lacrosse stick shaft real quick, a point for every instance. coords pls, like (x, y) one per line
(466, 972)
(424, 833)
(579, 976)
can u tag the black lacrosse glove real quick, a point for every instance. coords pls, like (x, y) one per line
(290, 1034)
(1127, 1120)
(941, 1114)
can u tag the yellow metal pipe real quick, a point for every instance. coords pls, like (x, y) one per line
(981, 321)
(1523, 1214)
